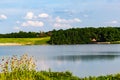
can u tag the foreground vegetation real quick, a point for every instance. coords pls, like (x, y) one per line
(26, 41)
(24, 68)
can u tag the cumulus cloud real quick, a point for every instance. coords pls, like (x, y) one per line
(2, 16)
(33, 23)
(43, 15)
(56, 22)
(29, 15)
(65, 23)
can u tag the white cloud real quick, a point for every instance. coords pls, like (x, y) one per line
(29, 15)
(2, 16)
(17, 28)
(77, 20)
(65, 23)
(43, 15)
(33, 23)
(60, 20)
(59, 25)
(56, 22)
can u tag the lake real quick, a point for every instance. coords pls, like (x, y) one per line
(81, 60)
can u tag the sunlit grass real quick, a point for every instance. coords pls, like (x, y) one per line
(26, 41)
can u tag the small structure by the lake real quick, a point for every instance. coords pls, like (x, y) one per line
(94, 41)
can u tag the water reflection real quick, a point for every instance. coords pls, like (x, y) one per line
(81, 60)
(85, 57)
(104, 52)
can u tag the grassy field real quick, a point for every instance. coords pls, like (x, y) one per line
(26, 41)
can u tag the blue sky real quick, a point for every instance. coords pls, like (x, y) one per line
(45, 15)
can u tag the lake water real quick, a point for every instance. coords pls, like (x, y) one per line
(81, 60)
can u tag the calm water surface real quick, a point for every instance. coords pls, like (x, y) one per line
(82, 60)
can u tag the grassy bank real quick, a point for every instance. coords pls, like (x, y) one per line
(46, 75)
(115, 42)
(26, 41)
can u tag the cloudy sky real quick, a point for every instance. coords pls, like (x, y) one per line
(45, 15)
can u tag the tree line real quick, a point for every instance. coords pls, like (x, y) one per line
(85, 35)
(22, 34)
(73, 35)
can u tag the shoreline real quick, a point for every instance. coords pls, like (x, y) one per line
(19, 44)
(101, 42)
(10, 44)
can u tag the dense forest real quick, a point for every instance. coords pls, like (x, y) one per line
(85, 35)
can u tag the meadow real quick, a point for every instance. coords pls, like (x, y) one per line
(26, 41)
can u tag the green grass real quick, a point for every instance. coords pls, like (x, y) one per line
(37, 75)
(115, 42)
(26, 41)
